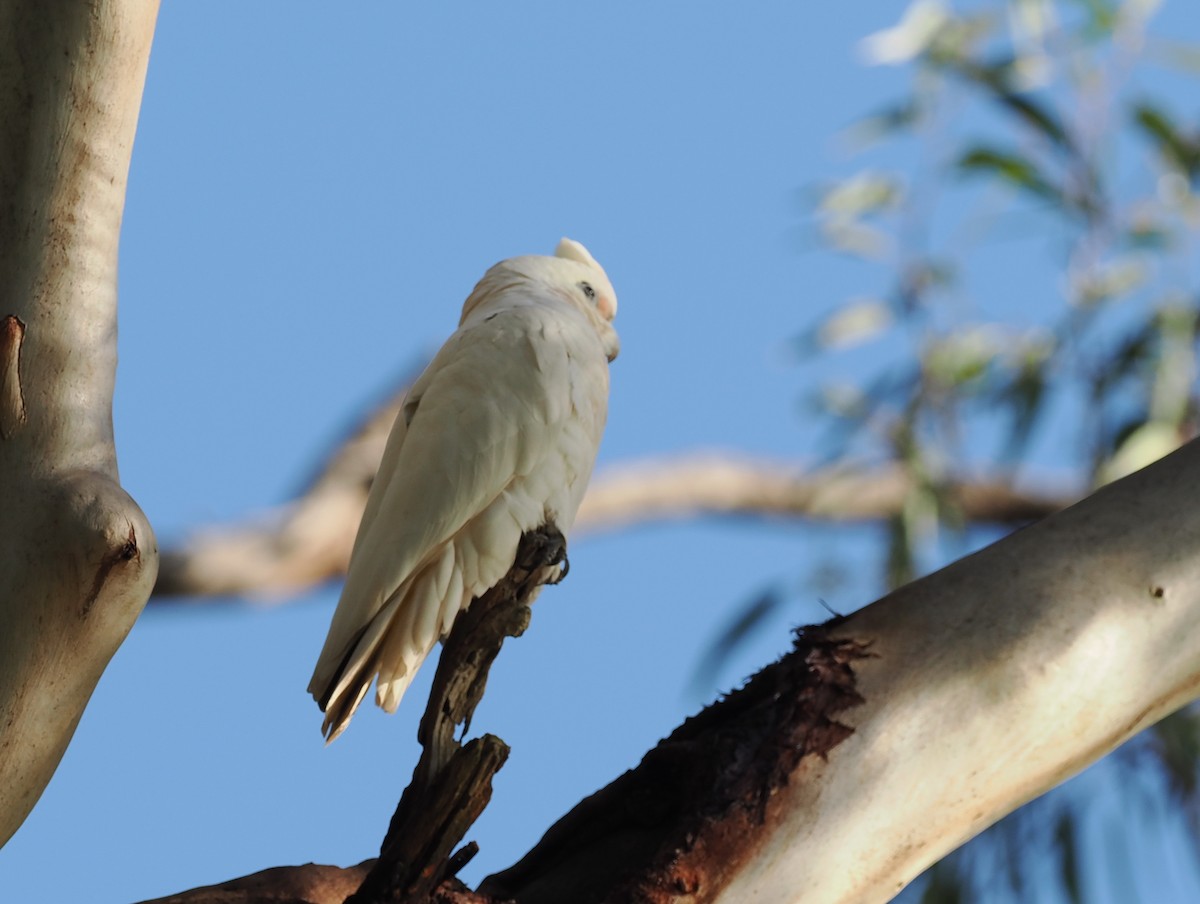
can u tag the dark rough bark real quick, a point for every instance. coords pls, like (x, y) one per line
(452, 783)
(676, 827)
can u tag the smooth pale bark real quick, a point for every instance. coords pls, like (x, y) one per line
(992, 681)
(888, 738)
(77, 556)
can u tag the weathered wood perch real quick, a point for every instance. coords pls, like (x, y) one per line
(452, 782)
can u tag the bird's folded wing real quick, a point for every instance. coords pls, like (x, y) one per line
(485, 411)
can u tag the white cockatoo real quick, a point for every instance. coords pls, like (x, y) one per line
(496, 438)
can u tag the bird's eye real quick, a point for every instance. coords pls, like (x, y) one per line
(588, 291)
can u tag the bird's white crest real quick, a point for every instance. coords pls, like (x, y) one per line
(572, 250)
(497, 437)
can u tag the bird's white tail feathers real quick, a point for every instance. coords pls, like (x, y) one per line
(394, 644)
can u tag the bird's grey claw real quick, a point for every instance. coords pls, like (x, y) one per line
(563, 568)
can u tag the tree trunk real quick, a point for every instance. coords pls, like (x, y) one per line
(77, 556)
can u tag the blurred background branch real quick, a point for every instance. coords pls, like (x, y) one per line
(279, 553)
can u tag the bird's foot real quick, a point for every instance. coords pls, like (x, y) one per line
(542, 555)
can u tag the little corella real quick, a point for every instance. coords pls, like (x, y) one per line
(496, 438)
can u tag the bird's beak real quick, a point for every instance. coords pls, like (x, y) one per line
(612, 346)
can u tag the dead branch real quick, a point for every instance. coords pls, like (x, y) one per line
(308, 540)
(452, 782)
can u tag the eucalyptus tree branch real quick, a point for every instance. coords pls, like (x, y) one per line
(77, 556)
(888, 738)
(309, 539)
(697, 485)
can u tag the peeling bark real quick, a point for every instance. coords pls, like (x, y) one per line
(681, 824)
(12, 397)
(992, 681)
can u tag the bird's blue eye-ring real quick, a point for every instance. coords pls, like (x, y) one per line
(588, 291)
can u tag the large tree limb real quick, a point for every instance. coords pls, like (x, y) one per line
(888, 738)
(77, 556)
(309, 540)
(982, 686)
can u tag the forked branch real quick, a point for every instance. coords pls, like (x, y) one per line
(452, 783)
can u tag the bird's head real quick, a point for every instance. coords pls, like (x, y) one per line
(572, 275)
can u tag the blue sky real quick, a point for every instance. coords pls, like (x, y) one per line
(314, 191)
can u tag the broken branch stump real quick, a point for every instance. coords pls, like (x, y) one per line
(452, 782)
